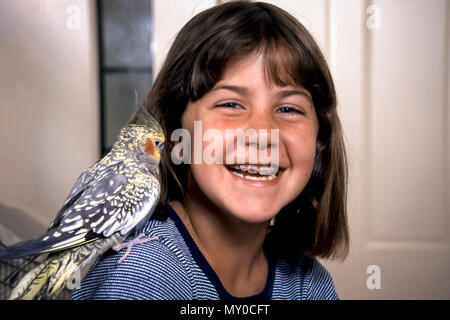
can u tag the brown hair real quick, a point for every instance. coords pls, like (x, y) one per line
(316, 222)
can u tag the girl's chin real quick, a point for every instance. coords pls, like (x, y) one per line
(253, 214)
(253, 201)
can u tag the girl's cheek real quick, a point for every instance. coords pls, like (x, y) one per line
(302, 137)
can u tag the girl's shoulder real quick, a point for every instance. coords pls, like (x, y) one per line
(307, 277)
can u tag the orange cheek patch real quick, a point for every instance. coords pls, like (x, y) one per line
(149, 148)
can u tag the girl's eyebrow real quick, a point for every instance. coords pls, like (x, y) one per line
(240, 90)
(282, 94)
(292, 92)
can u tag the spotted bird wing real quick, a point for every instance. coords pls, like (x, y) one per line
(81, 184)
(126, 209)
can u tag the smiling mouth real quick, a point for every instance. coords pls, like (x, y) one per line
(254, 172)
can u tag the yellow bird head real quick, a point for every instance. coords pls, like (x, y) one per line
(150, 141)
(144, 136)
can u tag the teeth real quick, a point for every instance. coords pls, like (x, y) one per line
(261, 170)
(261, 178)
(252, 169)
(268, 171)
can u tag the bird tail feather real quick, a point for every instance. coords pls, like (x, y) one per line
(26, 248)
(49, 278)
(39, 246)
(34, 281)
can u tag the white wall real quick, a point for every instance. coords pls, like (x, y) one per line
(48, 107)
(169, 17)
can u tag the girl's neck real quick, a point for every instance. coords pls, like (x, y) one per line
(232, 247)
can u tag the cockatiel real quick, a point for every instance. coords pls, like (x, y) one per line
(112, 198)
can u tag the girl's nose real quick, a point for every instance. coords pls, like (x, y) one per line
(262, 122)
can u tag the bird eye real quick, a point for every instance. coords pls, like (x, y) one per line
(157, 142)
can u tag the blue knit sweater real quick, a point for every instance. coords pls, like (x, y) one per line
(173, 268)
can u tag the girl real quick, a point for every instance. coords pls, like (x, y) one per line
(228, 231)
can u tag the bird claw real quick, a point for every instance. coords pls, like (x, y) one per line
(130, 244)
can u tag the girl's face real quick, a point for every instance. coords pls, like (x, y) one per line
(245, 99)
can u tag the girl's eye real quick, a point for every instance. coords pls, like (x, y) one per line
(290, 110)
(231, 105)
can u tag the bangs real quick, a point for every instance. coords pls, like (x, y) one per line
(288, 59)
(289, 63)
(282, 65)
